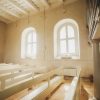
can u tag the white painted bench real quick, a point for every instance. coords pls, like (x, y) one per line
(13, 74)
(21, 85)
(22, 78)
(73, 93)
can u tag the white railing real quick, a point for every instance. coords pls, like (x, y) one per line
(70, 71)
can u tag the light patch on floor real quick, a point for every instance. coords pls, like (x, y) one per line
(87, 90)
(61, 92)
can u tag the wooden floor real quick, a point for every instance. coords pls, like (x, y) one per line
(60, 93)
(87, 90)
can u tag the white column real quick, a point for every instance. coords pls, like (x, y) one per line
(96, 57)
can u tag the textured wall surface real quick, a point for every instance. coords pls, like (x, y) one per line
(2, 41)
(45, 55)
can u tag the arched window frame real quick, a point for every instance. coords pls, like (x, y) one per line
(57, 28)
(25, 43)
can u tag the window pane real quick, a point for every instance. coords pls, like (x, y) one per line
(29, 50)
(63, 46)
(70, 31)
(63, 32)
(29, 37)
(34, 49)
(34, 37)
(71, 46)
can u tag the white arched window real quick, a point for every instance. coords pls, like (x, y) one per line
(66, 39)
(29, 43)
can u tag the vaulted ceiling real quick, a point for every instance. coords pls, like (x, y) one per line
(12, 10)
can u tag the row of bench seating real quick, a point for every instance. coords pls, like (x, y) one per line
(22, 79)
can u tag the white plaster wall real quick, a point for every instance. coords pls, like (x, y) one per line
(45, 56)
(2, 34)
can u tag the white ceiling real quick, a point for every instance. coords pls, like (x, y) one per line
(12, 10)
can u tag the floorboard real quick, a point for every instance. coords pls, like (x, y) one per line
(61, 92)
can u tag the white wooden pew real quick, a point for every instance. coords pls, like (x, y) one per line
(20, 78)
(74, 88)
(27, 83)
(13, 74)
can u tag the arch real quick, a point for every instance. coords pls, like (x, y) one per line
(57, 28)
(24, 42)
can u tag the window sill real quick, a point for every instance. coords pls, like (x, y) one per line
(29, 58)
(68, 58)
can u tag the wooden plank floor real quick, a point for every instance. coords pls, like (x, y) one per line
(87, 90)
(59, 94)
(61, 91)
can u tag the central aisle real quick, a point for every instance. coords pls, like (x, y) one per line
(60, 93)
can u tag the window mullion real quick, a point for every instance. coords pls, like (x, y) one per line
(71, 38)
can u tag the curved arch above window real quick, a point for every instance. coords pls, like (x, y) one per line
(29, 43)
(66, 39)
